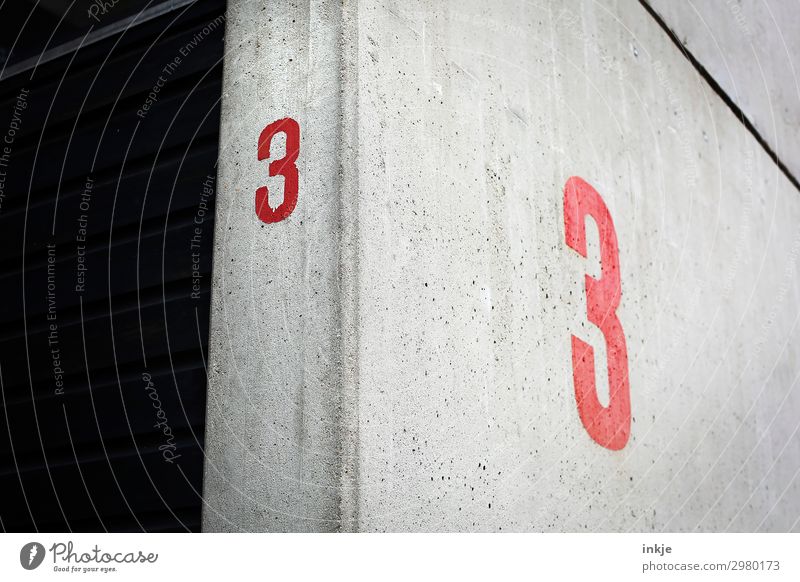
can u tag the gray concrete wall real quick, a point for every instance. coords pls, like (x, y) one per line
(395, 355)
(274, 433)
(752, 49)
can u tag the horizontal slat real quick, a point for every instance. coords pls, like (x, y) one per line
(151, 332)
(157, 258)
(94, 146)
(195, 158)
(120, 487)
(131, 39)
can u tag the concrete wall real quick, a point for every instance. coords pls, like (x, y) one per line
(395, 355)
(752, 49)
(274, 431)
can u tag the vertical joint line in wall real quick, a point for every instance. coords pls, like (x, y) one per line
(737, 111)
(348, 269)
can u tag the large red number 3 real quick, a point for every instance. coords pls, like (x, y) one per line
(284, 167)
(609, 426)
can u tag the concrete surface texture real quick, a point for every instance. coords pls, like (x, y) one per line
(752, 49)
(273, 436)
(396, 354)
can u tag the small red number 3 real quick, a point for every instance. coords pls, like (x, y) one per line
(609, 426)
(284, 167)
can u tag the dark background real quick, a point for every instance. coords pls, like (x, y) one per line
(88, 459)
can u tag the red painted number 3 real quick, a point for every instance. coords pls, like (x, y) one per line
(283, 167)
(609, 426)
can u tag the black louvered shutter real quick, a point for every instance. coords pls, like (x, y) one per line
(103, 339)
